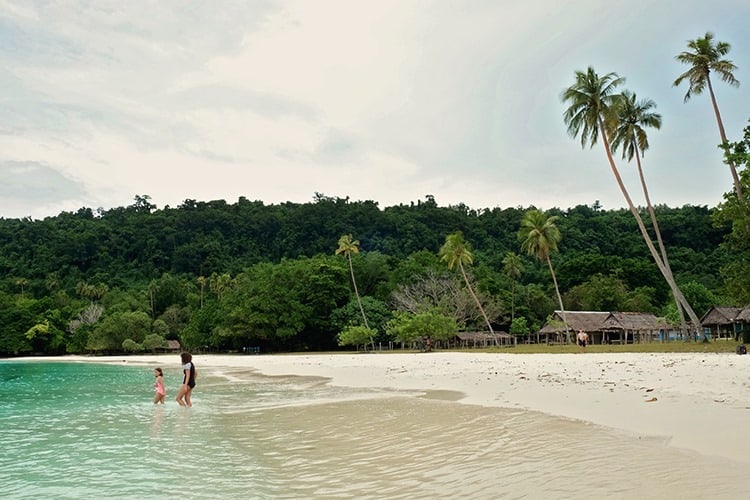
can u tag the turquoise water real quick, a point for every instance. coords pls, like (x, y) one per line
(84, 430)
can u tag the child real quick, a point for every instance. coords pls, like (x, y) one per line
(161, 392)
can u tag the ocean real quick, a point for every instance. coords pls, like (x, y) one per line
(89, 430)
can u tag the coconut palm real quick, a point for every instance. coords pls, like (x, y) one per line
(632, 115)
(706, 56)
(348, 246)
(593, 102)
(539, 238)
(513, 267)
(457, 252)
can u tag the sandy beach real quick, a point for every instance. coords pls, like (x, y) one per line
(697, 402)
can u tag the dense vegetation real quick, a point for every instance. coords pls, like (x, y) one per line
(335, 272)
(227, 276)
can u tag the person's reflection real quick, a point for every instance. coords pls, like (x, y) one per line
(156, 421)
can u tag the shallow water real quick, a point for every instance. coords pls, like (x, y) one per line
(80, 430)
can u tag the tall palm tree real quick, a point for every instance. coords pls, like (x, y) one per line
(706, 55)
(539, 238)
(457, 252)
(632, 115)
(348, 246)
(513, 267)
(593, 101)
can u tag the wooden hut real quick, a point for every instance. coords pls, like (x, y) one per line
(725, 322)
(604, 327)
(483, 339)
(588, 321)
(631, 328)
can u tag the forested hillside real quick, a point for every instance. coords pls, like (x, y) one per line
(224, 276)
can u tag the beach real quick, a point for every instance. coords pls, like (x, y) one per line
(694, 402)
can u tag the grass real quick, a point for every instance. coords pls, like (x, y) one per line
(725, 346)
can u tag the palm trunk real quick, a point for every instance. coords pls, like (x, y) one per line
(667, 276)
(476, 299)
(359, 302)
(732, 169)
(657, 232)
(559, 299)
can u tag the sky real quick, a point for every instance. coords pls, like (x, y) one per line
(389, 100)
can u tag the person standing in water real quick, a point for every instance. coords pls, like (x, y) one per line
(161, 392)
(189, 374)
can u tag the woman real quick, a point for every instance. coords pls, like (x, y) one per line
(189, 374)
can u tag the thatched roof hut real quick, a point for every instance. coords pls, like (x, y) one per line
(606, 327)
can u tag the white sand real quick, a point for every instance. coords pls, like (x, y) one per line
(699, 402)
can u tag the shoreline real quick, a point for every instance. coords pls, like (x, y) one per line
(693, 401)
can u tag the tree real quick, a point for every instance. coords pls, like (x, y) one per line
(593, 101)
(513, 267)
(456, 252)
(355, 335)
(539, 238)
(632, 116)
(706, 55)
(347, 246)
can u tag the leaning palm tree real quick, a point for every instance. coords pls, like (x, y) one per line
(631, 116)
(706, 55)
(347, 246)
(591, 112)
(513, 267)
(539, 238)
(456, 252)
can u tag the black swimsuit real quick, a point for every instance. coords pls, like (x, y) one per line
(191, 381)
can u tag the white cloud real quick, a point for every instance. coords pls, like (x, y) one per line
(388, 101)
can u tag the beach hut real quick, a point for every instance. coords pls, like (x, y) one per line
(483, 339)
(631, 328)
(588, 321)
(722, 322)
(604, 327)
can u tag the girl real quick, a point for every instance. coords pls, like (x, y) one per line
(189, 374)
(161, 392)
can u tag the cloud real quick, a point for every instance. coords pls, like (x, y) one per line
(387, 101)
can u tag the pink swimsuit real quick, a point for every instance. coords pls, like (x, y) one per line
(160, 388)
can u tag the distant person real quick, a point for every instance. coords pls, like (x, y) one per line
(583, 339)
(161, 392)
(189, 374)
(428, 344)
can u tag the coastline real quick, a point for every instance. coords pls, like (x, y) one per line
(693, 401)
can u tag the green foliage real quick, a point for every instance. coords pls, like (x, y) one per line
(407, 327)
(519, 326)
(130, 345)
(153, 342)
(269, 277)
(356, 335)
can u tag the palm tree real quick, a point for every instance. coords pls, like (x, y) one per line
(593, 102)
(513, 267)
(706, 55)
(632, 116)
(347, 246)
(539, 238)
(456, 252)
(202, 282)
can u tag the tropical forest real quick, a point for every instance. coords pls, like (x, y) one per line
(336, 273)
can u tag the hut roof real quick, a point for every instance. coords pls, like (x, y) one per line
(593, 321)
(633, 321)
(720, 315)
(588, 321)
(173, 345)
